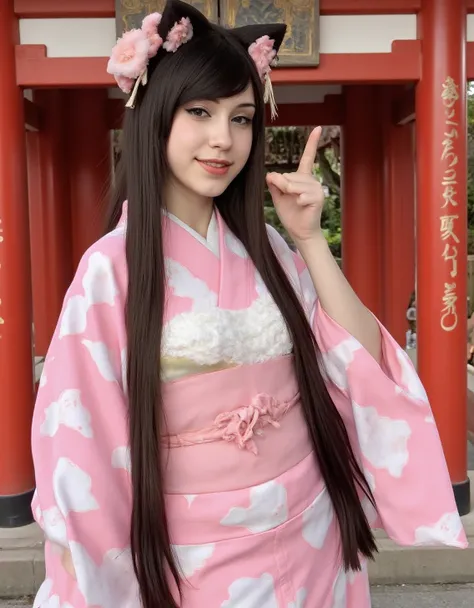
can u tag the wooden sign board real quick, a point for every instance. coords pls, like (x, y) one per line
(129, 14)
(301, 44)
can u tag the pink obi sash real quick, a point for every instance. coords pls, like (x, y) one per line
(234, 428)
(239, 425)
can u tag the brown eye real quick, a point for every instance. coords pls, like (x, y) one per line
(242, 120)
(198, 112)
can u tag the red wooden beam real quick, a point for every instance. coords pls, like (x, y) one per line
(38, 9)
(106, 8)
(35, 69)
(401, 65)
(368, 7)
(32, 115)
(328, 113)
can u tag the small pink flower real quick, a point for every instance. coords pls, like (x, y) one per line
(150, 29)
(179, 34)
(263, 53)
(130, 55)
(124, 83)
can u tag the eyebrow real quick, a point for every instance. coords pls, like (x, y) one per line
(241, 105)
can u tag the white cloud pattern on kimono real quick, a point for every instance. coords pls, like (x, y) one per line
(285, 256)
(308, 292)
(445, 531)
(268, 509)
(383, 441)
(74, 317)
(99, 281)
(337, 360)
(192, 558)
(121, 458)
(185, 285)
(101, 356)
(339, 590)
(300, 601)
(252, 592)
(260, 286)
(43, 594)
(44, 599)
(110, 584)
(410, 379)
(55, 527)
(317, 519)
(72, 488)
(68, 411)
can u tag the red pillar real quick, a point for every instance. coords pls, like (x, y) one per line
(398, 222)
(49, 215)
(442, 228)
(89, 166)
(362, 195)
(16, 373)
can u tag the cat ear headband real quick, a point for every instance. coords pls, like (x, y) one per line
(179, 22)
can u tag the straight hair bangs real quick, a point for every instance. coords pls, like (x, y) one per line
(210, 68)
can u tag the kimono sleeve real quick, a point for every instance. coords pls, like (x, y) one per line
(390, 424)
(79, 441)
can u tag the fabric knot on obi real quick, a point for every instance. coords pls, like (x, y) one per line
(239, 425)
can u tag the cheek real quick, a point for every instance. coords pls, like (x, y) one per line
(179, 140)
(182, 139)
(243, 146)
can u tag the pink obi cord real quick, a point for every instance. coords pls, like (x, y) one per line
(239, 425)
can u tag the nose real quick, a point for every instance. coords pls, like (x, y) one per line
(220, 134)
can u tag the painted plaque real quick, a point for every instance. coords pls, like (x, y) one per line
(301, 44)
(130, 13)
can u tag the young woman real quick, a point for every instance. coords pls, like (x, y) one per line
(208, 431)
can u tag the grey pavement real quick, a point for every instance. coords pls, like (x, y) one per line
(424, 596)
(416, 596)
(470, 456)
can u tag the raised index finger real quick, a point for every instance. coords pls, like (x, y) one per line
(309, 154)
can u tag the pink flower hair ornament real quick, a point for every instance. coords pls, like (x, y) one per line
(264, 56)
(129, 59)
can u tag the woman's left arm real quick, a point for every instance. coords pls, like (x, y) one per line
(299, 198)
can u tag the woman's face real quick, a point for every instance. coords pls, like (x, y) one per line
(210, 142)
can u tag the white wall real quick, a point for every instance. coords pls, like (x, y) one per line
(339, 34)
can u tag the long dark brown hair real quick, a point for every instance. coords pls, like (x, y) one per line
(213, 67)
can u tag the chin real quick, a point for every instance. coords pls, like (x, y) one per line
(211, 190)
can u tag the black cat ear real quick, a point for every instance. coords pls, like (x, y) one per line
(248, 34)
(175, 10)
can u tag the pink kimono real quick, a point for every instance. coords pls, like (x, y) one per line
(251, 522)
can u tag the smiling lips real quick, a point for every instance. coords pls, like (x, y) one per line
(215, 166)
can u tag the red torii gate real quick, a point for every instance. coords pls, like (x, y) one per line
(380, 125)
